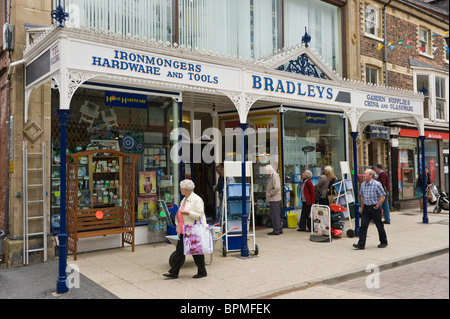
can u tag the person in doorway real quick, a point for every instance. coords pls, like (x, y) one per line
(307, 195)
(191, 210)
(273, 196)
(322, 187)
(383, 178)
(372, 197)
(219, 189)
(332, 179)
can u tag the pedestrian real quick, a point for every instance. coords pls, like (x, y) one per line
(273, 197)
(191, 210)
(372, 196)
(307, 195)
(383, 178)
(419, 186)
(219, 189)
(322, 187)
(332, 179)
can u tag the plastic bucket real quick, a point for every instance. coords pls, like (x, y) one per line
(216, 232)
(292, 220)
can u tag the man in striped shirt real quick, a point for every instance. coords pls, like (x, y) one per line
(372, 196)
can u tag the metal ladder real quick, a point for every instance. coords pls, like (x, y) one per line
(26, 202)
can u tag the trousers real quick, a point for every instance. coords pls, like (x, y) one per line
(179, 258)
(275, 214)
(305, 217)
(369, 213)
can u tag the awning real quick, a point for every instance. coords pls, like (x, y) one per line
(72, 57)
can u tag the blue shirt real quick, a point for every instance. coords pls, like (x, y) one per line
(372, 192)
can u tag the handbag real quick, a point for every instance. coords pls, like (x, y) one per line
(197, 239)
(332, 197)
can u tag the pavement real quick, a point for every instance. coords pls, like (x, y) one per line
(285, 265)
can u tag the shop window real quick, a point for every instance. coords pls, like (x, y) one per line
(143, 129)
(371, 75)
(372, 20)
(440, 98)
(407, 167)
(311, 141)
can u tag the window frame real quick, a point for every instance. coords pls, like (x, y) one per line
(376, 22)
(377, 75)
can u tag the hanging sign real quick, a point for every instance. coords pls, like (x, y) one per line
(120, 99)
(316, 118)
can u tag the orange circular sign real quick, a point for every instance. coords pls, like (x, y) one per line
(99, 214)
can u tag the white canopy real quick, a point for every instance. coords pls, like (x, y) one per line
(73, 56)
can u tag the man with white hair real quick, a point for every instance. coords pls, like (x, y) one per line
(273, 196)
(372, 196)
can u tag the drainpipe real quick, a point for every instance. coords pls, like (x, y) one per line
(385, 45)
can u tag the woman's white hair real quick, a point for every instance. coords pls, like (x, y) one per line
(187, 184)
(308, 173)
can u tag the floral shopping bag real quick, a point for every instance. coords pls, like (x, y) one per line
(197, 239)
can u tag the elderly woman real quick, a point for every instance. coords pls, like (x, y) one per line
(308, 196)
(191, 210)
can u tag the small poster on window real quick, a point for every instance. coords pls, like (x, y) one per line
(147, 183)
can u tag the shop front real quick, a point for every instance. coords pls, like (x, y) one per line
(409, 164)
(149, 98)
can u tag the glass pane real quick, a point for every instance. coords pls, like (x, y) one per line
(244, 28)
(324, 25)
(440, 106)
(150, 19)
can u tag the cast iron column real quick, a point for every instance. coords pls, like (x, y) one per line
(61, 285)
(355, 181)
(244, 251)
(424, 180)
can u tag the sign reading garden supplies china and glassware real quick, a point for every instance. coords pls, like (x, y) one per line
(395, 104)
(150, 66)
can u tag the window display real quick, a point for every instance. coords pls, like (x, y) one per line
(143, 130)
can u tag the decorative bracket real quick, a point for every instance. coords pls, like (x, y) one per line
(242, 101)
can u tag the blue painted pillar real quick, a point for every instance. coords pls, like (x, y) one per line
(424, 180)
(61, 285)
(355, 181)
(244, 251)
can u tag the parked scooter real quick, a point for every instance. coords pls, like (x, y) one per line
(438, 198)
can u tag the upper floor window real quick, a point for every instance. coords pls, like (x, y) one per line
(372, 20)
(323, 22)
(423, 86)
(440, 98)
(371, 75)
(424, 40)
(245, 28)
(150, 19)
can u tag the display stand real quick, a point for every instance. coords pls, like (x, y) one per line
(232, 208)
(104, 204)
(345, 195)
(320, 224)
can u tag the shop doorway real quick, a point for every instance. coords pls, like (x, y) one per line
(204, 177)
(446, 177)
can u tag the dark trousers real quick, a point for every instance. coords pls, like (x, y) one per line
(305, 217)
(369, 213)
(275, 214)
(179, 258)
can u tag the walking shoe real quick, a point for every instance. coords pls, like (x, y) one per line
(169, 275)
(382, 245)
(386, 222)
(198, 276)
(273, 233)
(358, 246)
